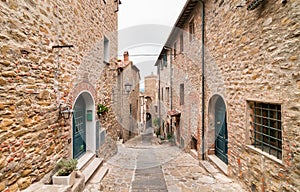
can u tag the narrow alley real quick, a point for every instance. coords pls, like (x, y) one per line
(143, 164)
(150, 95)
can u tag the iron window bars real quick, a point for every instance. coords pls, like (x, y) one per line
(266, 132)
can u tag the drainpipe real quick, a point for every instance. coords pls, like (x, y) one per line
(171, 92)
(159, 94)
(203, 78)
(171, 84)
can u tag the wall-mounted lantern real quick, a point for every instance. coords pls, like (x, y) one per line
(128, 87)
(65, 112)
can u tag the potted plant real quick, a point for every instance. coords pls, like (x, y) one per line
(65, 174)
(101, 109)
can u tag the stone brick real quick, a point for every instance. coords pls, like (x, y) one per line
(2, 106)
(2, 185)
(13, 188)
(6, 122)
(8, 74)
(23, 183)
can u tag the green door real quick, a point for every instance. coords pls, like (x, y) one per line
(79, 128)
(221, 142)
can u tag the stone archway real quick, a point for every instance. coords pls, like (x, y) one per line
(217, 135)
(148, 120)
(83, 125)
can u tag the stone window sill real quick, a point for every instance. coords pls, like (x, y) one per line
(258, 151)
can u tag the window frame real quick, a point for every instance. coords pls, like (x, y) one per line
(175, 49)
(167, 94)
(165, 60)
(106, 47)
(181, 94)
(181, 43)
(261, 128)
(191, 29)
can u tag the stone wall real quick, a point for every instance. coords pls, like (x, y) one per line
(128, 122)
(255, 54)
(35, 79)
(249, 56)
(150, 94)
(186, 70)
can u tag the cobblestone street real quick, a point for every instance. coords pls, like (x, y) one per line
(144, 165)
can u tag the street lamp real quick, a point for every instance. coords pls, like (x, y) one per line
(65, 112)
(128, 87)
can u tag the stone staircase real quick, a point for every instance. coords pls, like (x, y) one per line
(91, 169)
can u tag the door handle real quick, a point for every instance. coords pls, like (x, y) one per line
(219, 122)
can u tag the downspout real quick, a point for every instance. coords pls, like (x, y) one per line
(171, 92)
(203, 79)
(158, 68)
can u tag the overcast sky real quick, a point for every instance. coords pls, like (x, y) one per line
(144, 26)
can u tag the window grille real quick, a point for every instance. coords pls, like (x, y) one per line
(266, 131)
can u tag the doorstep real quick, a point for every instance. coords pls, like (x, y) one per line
(83, 160)
(219, 163)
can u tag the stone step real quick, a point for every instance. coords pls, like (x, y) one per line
(209, 167)
(84, 160)
(99, 175)
(47, 188)
(91, 168)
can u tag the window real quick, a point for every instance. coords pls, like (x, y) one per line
(106, 51)
(181, 42)
(265, 126)
(174, 49)
(130, 109)
(192, 29)
(165, 60)
(167, 94)
(155, 108)
(181, 94)
(162, 94)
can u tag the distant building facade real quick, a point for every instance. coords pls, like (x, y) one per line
(127, 100)
(151, 100)
(142, 120)
(235, 101)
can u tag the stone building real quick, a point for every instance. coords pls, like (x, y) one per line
(57, 61)
(127, 101)
(232, 71)
(142, 120)
(151, 100)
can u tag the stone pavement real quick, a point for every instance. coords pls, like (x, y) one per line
(144, 165)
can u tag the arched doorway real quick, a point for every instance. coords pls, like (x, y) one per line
(83, 125)
(148, 120)
(221, 134)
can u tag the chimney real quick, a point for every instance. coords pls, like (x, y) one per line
(126, 56)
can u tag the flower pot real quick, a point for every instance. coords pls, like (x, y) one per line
(64, 180)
